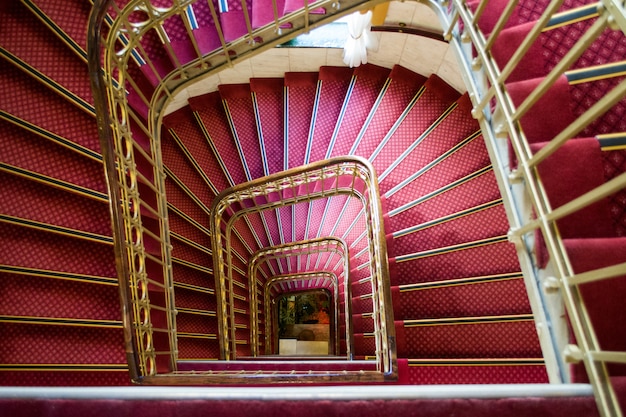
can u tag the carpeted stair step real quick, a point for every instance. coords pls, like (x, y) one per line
(49, 60)
(360, 278)
(269, 104)
(566, 103)
(140, 89)
(82, 270)
(300, 95)
(512, 336)
(449, 199)
(362, 323)
(234, 18)
(452, 127)
(182, 49)
(157, 62)
(429, 103)
(240, 114)
(79, 346)
(46, 157)
(35, 204)
(199, 150)
(68, 26)
(475, 223)
(362, 94)
(205, 32)
(333, 84)
(196, 321)
(404, 85)
(486, 257)
(90, 298)
(588, 255)
(468, 156)
(213, 122)
(263, 12)
(350, 220)
(503, 294)
(362, 300)
(477, 371)
(40, 108)
(594, 220)
(183, 172)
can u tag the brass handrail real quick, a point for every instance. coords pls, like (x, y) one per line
(307, 276)
(487, 84)
(130, 140)
(343, 175)
(320, 245)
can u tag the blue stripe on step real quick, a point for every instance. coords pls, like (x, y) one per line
(191, 17)
(223, 6)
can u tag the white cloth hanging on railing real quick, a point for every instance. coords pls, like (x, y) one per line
(360, 39)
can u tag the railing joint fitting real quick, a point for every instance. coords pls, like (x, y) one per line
(514, 237)
(477, 63)
(465, 37)
(551, 284)
(502, 131)
(572, 354)
(478, 114)
(515, 177)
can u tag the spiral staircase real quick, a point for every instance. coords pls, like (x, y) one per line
(390, 190)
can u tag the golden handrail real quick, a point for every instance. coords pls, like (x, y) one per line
(486, 82)
(343, 175)
(320, 245)
(114, 41)
(306, 276)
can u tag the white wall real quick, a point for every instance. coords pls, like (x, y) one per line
(422, 55)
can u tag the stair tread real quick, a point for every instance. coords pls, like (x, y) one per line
(269, 99)
(495, 297)
(494, 259)
(368, 81)
(43, 51)
(516, 339)
(403, 86)
(42, 107)
(301, 89)
(334, 83)
(480, 224)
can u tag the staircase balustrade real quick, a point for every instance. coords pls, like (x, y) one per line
(338, 273)
(129, 113)
(351, 176)
(502, 116)
(275, 287)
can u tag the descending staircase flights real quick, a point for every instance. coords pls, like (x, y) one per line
(373, 184)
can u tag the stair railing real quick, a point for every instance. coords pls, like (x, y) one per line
(350, 176)
(522, 184)
(329, 246)
(131, 91)
(308, 281)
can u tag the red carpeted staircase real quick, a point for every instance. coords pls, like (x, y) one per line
(407, 125)
(461, 311)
